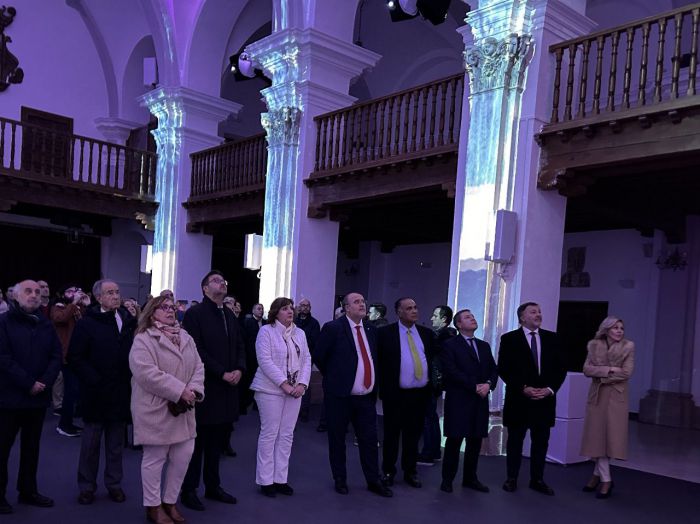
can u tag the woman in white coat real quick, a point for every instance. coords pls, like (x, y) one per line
(284, 368)
(168, 377)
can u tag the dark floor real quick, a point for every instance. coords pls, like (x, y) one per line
(638, 498)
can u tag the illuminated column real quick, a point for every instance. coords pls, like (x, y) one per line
(311, 73)
(187, 122)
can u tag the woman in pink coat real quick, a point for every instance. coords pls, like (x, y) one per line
(609, 363)
(168, 378)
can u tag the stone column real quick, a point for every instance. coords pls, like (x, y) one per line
(115, 130)
(187, 122)
(311, 73)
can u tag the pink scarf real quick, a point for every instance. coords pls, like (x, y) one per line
(171, 332)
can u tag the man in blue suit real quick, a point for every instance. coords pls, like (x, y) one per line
(345, 353)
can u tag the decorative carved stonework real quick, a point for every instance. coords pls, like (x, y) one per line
(10, 72)
(148, 220)
(494, 63)
(282, 126)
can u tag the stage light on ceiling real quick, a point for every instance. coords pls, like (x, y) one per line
(243, 68)
(402, 9)
(434, 11)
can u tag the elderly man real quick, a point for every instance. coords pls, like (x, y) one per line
(30, 359)
(98, 354)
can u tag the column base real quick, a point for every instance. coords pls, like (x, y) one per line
(667, 408)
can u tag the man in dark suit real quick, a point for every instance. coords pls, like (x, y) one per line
(532, 365)
(469, 375)
(405, 352)
(217, 334)
(311, 328)
(345, 353)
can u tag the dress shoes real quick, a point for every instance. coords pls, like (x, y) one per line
(510, 485)
(605, 494)
(446, 486)
(412, 480)
(190, 500)
(5, 507)
(220, 495)
(173, 512)
(379, 489)
(322, 428)
(476, 485)
(268, 490)
(157, 515)
(541, 487)
(387, 480)
(229, 452)
(341, 486)
(117, 495)
(35, 499)
(592, 484)
(283, 489)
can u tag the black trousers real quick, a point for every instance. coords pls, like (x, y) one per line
(450, 459)
(403, 422)
(362, 412)
(28, 423)
(539, 437)
(207, 453)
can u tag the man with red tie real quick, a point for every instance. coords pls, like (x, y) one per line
(345, 353)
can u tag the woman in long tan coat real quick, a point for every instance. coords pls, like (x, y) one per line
(609, 363)
(168, 377)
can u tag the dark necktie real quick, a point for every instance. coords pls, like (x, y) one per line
(223, 315)
(367, 379)
(533, 348)
(476, 351)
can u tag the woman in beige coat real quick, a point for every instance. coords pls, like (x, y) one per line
(168, 377)
(609, 363)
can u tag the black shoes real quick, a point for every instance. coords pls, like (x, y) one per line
(605, 494)
(510, 485)
(387, 480)
(446, 486)
(541, 487)
(229, 452)
(68, 431)
(476, 485)
(117, 495)
(379, 489)
(86, 497)
(35, 499)
(268, 490)
(220, 495)
(425, 461)
(283, 489)
(190, 500)
(341, 486)
(5, 507)
(412, 480)
(322, 428)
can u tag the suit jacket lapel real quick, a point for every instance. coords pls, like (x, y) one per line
(468, 349)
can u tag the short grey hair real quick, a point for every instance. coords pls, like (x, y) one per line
(97, 286)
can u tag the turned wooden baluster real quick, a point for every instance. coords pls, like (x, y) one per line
(382, 142)
(558, 54)
(318, 145)
(693, 67)
(424, 119)
(328, 141)
(433, 104)
(13, 133)
(342, 159)
(583, 80)
(660, 60)
(627, 83)
(612, 79)
(414, 129)
(351, 137)
(391, 134)
(676, 60)
(644, 64)
(453, 102)
(81, 161)
(570, 81)
(324, 135)
(441, 125)
(371, 130)
(407, 107)
(600, 44)
(336, 148)
(2, 143)
(99, 163)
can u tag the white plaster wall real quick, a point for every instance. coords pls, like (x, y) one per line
(615, 259)
(121, 258)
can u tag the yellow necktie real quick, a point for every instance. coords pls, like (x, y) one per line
(417, 367)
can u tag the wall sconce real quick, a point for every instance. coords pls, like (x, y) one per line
(676, 260)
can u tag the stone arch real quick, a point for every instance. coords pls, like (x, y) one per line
(132, 81)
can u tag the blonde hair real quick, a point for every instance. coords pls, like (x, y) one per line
(605, 326)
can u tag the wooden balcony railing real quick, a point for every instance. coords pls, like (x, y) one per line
(416, 122)
(39, 154)
(643, 63)
(233, 167)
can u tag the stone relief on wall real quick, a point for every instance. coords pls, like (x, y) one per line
(10, 72)
(575, 276)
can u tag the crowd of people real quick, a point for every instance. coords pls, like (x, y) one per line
(182, 375)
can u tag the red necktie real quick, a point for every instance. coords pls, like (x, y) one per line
(365, 358)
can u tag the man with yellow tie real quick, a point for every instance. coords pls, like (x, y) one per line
(405, 351)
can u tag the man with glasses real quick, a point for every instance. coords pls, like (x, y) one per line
(220, 345)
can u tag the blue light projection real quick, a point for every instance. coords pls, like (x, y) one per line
(168, 109)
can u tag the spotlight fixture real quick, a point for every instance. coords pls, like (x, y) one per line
(434, 11)
(402, 9)
(242, 67)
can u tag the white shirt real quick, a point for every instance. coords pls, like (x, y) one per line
(358, 387)
(116, 316)
(528, 337)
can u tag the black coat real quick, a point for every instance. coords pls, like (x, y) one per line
(335, 356)
(98, 354)
(517, 368)
(29, 352)
(389, 344)
(221, 353)
(466, 413)
(311, 329)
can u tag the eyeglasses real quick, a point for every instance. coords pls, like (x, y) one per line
(218, 281)
(166, 307)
